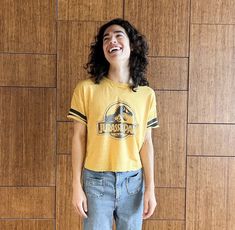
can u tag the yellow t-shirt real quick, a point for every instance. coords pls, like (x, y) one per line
(117, 119)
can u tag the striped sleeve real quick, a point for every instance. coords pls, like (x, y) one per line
(77, 109)
(152, 121)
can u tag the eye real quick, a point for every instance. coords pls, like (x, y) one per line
(105, 38)
(119, 35)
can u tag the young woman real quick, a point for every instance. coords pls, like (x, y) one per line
(114, 111)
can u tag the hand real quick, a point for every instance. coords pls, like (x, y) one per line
(150, 203)
(79, 201)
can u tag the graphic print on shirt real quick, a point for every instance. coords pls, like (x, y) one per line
(119, 121)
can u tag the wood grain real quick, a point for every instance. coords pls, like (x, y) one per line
(27, 224)
(210, 185)
(212, 69)
(213, 11)
(211, 140)
(231, 192)
(168, 73)
(163, 225)
(170, 139)
(27, 202)
(64, 137)
(94, 10)
(73, 48)
(27, 70)
(66, 217)
(165, 24)
(170, 204)
(27, 136)
(28, 26)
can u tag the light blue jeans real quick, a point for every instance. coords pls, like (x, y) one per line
(117, 195)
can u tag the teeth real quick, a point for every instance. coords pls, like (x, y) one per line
(114, 48)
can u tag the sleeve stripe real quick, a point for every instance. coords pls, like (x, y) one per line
(152, 121)
(75, 113)
(153, 125)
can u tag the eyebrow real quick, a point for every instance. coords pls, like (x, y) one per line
(116, 31)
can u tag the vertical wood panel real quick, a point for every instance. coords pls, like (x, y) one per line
(28, 26)
(27, 202)
(73, 48)
(170, 204)
(168, 73)
(27, 70)
(64, 137)
(217, 140)
(231, 194)
(212, 69)
(170, 139)
(209, 183)
(27, 224)
(213, 11)
(27, 136)
(165, 23)
(66, 218)
(94, 10)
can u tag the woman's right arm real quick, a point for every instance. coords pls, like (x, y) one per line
(78, 156)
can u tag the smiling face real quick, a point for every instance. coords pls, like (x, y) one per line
(116, 45)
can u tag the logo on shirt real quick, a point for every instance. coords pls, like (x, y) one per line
(119, 121)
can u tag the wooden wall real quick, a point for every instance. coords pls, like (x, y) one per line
(43, 46)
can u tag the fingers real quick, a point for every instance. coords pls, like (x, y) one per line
(81, 209)
(146, 208)
(85, 206)
(149, 208)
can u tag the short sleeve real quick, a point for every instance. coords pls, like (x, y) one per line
(77, 109)
(152, 121)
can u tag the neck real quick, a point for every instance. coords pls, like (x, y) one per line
(119, 74)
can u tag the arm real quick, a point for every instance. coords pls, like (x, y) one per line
(78, 155)
(147, 158)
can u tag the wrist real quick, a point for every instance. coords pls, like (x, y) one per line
(76, 184)
(150, 187)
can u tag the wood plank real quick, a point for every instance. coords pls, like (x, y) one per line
(64, 137)
(27, 202)
(231, 192)
(211, 140)
(28, 26)
(66, 217)
(27, 70)
(163, 225)
(27, 224)
(212, 69)
(165, 24)
(73, 48)
(170, 204)
(27, 136)
(170, 139)
(94, 10)
(210, 185)
(168, 73)
(213, 11)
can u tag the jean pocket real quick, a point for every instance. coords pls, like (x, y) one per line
(134, 183)
(94, 187)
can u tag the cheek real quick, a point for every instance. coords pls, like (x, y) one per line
(104, 48)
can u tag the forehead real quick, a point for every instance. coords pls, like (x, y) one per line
(114, 29)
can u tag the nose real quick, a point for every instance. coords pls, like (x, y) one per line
(113, 40)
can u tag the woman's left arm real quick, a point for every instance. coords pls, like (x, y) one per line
(147, 158)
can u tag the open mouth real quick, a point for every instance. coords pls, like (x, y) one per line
(114, 49)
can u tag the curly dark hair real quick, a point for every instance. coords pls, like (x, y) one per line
(98, 66)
